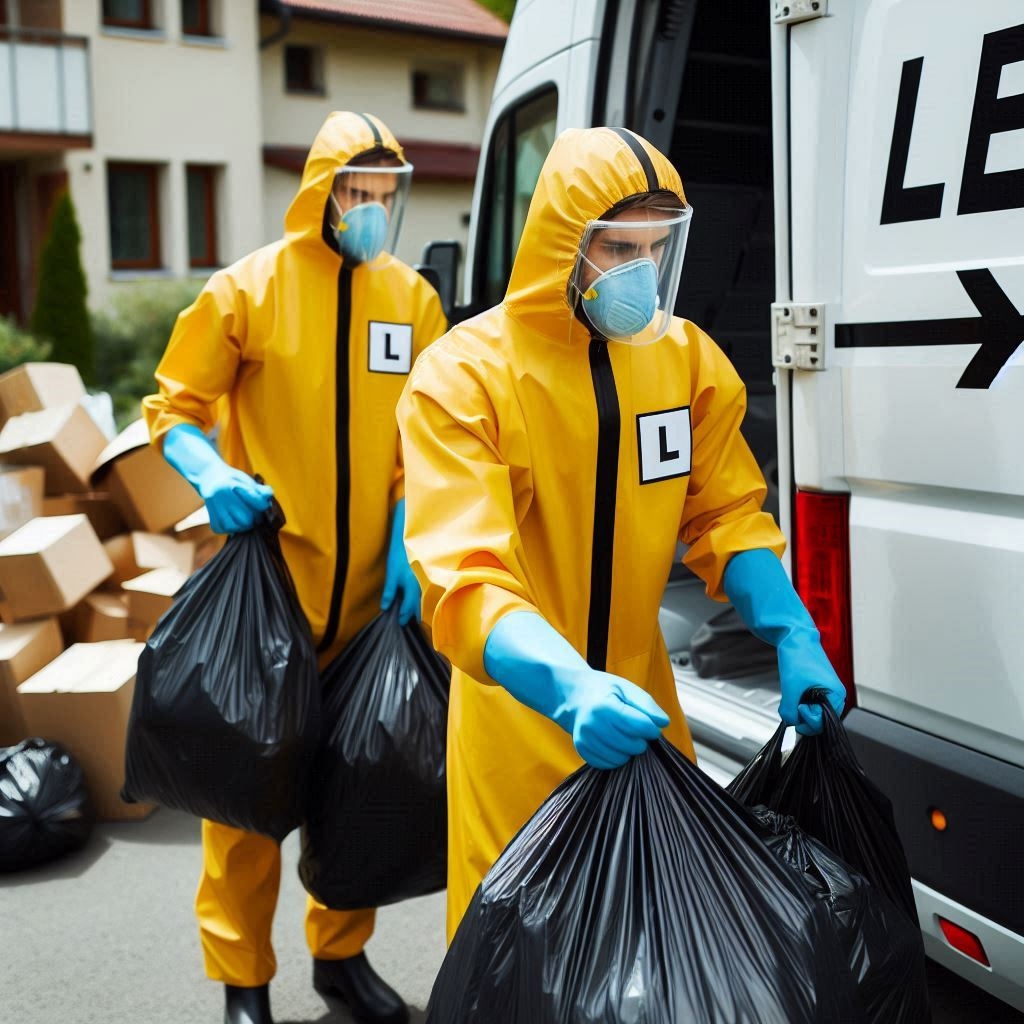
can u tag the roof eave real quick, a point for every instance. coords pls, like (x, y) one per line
(389, 25)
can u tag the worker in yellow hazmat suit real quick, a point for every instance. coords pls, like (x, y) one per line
(557, 447)
(300, 351)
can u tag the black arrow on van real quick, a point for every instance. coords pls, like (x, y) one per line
(998, 332)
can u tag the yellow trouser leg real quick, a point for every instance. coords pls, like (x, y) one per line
(235, 904)
(337, 934)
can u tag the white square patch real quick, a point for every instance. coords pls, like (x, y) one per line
(664, 443)
(390, 347)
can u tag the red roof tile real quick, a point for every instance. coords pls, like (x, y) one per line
(464, 18)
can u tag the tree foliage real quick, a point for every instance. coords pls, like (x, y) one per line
(61, 316)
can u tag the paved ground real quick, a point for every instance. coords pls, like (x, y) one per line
(108, 937)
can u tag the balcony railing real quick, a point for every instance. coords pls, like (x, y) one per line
(44, 83)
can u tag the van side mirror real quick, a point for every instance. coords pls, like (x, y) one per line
(443, 258)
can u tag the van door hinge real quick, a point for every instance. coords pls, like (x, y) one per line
(798, 335)
(787, 12)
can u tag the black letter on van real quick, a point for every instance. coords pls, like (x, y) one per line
(1002, 190)
(922, 202)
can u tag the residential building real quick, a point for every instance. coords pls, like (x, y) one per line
(181, 126)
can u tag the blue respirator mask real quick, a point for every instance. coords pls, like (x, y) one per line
(621, 302)
(624, 282)
(361, 232)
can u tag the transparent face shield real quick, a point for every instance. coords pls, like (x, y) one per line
(367, 205)
(627, 270)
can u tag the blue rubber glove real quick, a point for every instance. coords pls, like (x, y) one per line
(399, 575)
(234, 500)
(610, 719)
(762, 593)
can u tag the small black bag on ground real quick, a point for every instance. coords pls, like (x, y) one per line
(225, 717)
(723, 648)
(376, 826)
(643, 895)
(45, 811)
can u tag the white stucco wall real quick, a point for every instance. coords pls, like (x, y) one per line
(370, 70)
(159, 98)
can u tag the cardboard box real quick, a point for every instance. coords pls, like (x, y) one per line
(24, 649)
(101, 616)
(65, 441)
(34, 386)
(150, 495)
(101, 509)
(138, 552)
(50, 564)
(82, 700)
(21, 496)
(152, 593)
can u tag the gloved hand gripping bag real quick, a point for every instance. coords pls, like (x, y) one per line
(45, 811)
(642, 895)
(376, 825)
(840, 835)
(225, 717)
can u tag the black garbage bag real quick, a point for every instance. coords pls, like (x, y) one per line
(723, 648)
(883, 948)
(822, 786)
(45, 811)
(643, 895)
(226, 713)
(376, 825)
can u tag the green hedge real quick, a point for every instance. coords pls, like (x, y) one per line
(18, 346)
(131, 335)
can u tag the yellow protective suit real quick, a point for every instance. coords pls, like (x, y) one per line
(531, 486)
(284, 350)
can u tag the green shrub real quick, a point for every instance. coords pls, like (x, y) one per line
(60, 315)
(131, 335)
(18, 346)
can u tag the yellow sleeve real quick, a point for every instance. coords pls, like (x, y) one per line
(431, 324)
(201, 361)
(460, 522)
(722, 513)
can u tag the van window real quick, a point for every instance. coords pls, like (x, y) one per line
(519, 144)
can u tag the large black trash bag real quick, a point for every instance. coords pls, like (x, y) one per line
(226, 713)
(376, 826)
(883, 948)
(642, 895)
(45, 811)
(822, 785)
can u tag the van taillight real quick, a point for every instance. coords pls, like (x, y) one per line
(966, 942)
(821, 572)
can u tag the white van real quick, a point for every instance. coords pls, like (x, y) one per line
(856, 169)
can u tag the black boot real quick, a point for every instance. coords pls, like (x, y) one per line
(370, 999)
(247, 1005)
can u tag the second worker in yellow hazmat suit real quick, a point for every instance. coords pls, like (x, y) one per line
(300, 351)
(557, 448)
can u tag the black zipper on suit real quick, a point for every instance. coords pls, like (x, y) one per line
(608, 431)
(341, 454)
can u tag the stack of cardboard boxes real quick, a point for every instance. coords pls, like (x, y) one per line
(96, 537)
